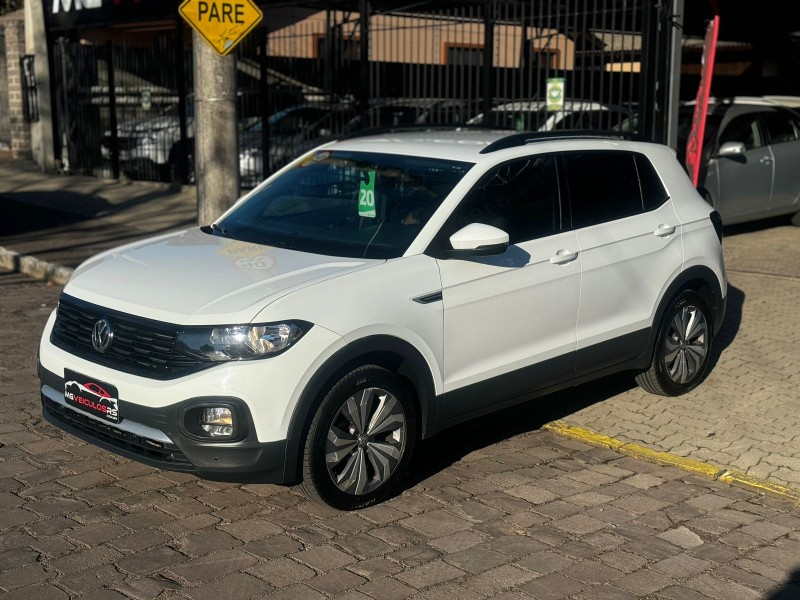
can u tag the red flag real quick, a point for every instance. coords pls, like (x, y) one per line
(694, 146)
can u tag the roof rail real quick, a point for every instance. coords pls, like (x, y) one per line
(529, 137)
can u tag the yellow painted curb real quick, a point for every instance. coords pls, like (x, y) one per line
(762, 485)
(666, 458)
(584, 435)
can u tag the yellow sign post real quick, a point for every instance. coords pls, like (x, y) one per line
(222, 23)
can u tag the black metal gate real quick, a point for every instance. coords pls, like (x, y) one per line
(476, 63)
(121, 106)
(311, 73)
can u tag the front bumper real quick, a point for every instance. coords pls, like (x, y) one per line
(154, 436)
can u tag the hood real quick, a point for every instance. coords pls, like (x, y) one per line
(193, 278)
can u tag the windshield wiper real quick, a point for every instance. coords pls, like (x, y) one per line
(221, 230)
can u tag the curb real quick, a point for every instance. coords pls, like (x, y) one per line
(33, 267)
(697, 467)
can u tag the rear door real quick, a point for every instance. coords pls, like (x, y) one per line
(630, 244)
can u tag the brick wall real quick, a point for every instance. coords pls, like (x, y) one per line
(20, 131)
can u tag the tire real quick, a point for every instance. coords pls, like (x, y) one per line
(680, 358)
(352, 459)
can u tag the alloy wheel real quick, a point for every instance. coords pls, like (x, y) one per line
(686, 344)
(365, 441)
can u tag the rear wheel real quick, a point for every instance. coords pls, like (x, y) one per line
(360, 440)
(683, 347)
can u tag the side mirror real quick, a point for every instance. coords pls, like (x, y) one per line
(731, 149)
(478, 239)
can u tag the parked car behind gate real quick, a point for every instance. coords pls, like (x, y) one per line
(379, 290)
(532, 115)
(751, 157)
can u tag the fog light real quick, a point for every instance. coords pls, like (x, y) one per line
(216, 421)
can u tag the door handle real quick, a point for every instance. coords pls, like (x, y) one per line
(563, 257)
(664, 230)
(765, 160)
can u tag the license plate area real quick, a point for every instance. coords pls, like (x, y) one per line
(91, 396)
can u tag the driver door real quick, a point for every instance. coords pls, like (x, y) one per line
(510, 319)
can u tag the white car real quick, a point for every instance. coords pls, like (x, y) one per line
(381, 289)
(533, 115)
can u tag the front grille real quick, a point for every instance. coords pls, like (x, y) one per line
(140, 346)
(130, 443)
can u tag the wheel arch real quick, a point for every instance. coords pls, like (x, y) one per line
(704, 282)
(391, 353)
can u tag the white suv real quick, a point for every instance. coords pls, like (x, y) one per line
(379, 290)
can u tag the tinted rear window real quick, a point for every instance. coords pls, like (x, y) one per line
(603, 186)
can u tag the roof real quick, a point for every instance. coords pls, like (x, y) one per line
(474, 145)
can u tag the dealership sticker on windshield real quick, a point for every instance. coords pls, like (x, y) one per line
(366, 196)
(314, 157)
(91, 396)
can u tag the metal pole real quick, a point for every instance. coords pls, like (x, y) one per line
(266, 108)
(112, 108)
(675, 74)
(364, 66)
(488, 63)
(180, 75)
(216, 153)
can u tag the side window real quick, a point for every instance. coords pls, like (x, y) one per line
(744, 129)
(653, 192)
(520, 197)
(781, 126)
(603, 186)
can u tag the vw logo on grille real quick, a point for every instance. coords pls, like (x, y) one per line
(102, 335)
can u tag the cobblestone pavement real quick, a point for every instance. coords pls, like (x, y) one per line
(746, 415)
(495, 509)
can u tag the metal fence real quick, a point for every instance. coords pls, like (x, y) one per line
(312, 74)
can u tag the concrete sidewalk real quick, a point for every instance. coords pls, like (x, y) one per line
(53, 223)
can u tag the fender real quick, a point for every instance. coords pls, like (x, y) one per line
(710, 291)
(390, 352)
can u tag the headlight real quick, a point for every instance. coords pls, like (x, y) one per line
(238, 342)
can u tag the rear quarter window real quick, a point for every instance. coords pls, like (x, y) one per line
(653, 192)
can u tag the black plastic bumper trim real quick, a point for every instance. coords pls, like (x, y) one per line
(245, 460)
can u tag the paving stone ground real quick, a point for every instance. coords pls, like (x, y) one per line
(494, 509)
(746, 415)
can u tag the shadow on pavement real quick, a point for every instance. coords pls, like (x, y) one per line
(731, 324)
(732, 230)
(21, 217)
(434, 455)
(789, 590)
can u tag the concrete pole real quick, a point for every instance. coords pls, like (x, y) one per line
(216, 152)
(36, 43)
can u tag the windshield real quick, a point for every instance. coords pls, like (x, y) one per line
(352, 204)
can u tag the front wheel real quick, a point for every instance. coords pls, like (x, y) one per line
(360, 440)
(683, 347)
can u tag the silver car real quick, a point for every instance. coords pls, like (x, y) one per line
(751, 158)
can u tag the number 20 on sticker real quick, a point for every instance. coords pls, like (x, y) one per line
(366, 196)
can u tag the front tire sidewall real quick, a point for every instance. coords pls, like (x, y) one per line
(316, 475)
(673, 388)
